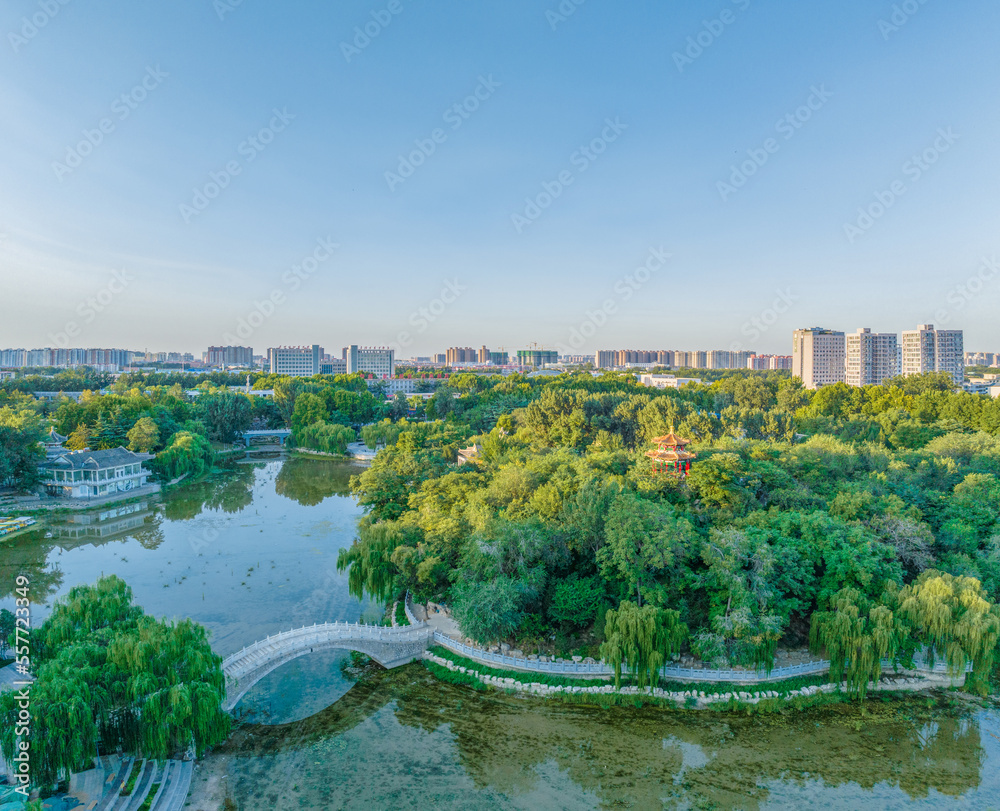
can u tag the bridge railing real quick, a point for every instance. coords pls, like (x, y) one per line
(411, 615)
(667, 672)
(327, 632)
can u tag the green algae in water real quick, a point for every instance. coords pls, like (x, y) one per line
(460, 749)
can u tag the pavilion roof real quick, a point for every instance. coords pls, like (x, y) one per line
(671, 439)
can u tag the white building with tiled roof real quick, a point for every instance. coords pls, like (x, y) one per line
(93, 474)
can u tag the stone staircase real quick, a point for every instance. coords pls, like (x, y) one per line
(99, 789)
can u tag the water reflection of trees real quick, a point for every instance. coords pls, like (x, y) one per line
(29, 554)
(621, 755)
(310, 481)
(645, 757)
(229, 491)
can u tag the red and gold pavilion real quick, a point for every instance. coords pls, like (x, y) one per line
(670, 455)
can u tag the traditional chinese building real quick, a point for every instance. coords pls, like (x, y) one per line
(470, 455)
(90, 474)
(670, 455)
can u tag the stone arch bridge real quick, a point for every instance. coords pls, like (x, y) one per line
(390, 647)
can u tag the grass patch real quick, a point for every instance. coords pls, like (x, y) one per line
(714, 688)
(452, 677)
(133, 778)
(517, 675)
(148, 802)
(709, 688)
(401, 618)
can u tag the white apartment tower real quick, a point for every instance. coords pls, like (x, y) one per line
(869, 357)
(818, 357)
(926, 349)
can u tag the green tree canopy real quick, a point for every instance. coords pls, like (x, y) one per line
(107, 672)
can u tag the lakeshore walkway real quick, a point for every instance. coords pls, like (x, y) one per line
(399, 645)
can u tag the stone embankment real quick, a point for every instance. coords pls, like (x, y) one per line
(907, 681)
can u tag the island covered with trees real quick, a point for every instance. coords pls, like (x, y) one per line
(862, 522)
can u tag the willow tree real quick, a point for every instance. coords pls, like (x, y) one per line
(641, 639)
(368, 560)
(108, 674)
(857, 635)
(953, 618)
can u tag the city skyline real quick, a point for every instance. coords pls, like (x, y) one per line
(496, 170)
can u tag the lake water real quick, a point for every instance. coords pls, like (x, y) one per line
(253, 551)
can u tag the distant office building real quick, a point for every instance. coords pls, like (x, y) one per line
(295, 361)
(333, 366)
(818, 357)
(666, 381)
(536, 357)
(982, 385)
(440, 358)
(577, 359)
(869, 357)
(227, 356)
(926, 349)
(377, 361)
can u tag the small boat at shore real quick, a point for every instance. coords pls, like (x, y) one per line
(8, 526)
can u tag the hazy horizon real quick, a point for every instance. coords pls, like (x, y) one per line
(495, 174)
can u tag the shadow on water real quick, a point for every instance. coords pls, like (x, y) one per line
(639, 757)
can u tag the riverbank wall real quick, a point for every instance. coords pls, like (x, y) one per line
(896, 682)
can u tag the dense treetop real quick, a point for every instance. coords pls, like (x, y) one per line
(798, 501)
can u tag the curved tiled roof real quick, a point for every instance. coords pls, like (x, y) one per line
(97, 460)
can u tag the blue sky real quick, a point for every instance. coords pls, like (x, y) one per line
(337, 119)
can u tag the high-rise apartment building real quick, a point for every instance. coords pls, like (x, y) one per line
(818, 356)
(981, 359)
(108, 360)
(926, 349)
(229, 356)
(462, 354)
(295, 361)
(537, 357)
(869, 357)
(768, 363)
(377, 361)
(618, 358)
